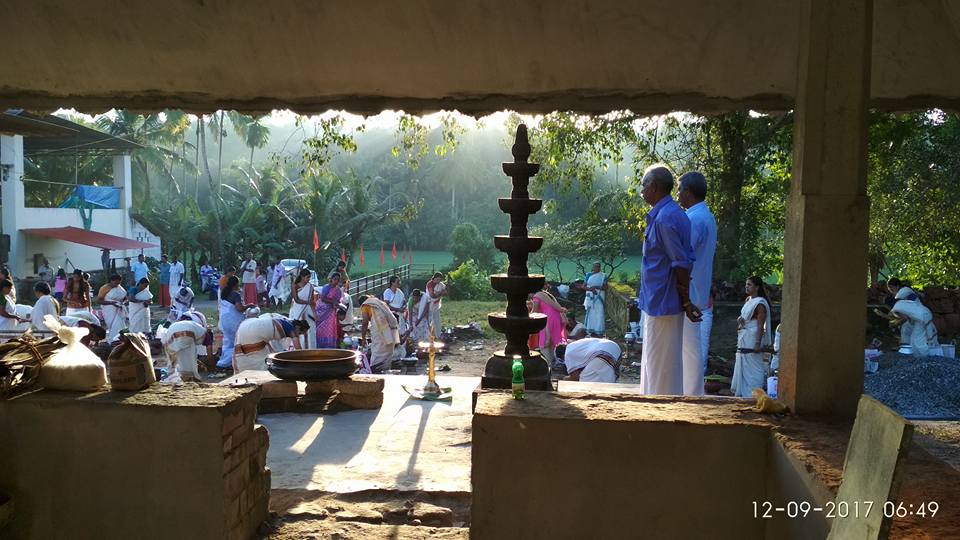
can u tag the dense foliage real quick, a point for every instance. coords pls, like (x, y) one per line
(217, 185)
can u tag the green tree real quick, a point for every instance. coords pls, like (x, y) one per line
(251, 130)
(466, 243)
(160, 137)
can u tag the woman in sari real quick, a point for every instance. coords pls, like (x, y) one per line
(302, 307)
(111, 298)
(753, 336)
(555, 332)
(417, 327)
(232, 313)
(139, 306)
(594, 301)
(327, 305)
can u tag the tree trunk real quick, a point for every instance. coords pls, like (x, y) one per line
(251, 159)
(214, 194)
(729, 189)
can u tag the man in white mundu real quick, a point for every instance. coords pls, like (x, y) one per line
(258, 337)
(111, 298)
(139, 307)
(592, 360)
(396, 301)
(180, 344)
(664, 286)
(703, 240)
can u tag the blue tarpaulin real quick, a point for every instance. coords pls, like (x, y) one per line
(93, 197)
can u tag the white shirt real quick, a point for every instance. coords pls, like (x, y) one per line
(394, 299)
(583, 354)
(10, 306)
(249, 269)
(44, 306)
(176, 272)
(703, 240)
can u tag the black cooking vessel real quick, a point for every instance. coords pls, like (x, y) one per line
(313, 364)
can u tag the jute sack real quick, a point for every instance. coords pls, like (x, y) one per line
(130, 364)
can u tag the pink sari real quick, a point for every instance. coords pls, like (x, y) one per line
(555, 324)
(327, 326)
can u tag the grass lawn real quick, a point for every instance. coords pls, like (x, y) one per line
(457, 312)
(442, 259)
(454, 313)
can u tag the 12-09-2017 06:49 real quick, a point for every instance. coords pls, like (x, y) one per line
(845, 509)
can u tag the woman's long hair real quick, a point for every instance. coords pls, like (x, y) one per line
(231, 286)
(761, 287)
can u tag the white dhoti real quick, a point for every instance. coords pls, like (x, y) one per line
(749, 372)
(75, 312)
(256, 339)
(305, 312)
(706, 326)
(661, 371)
(139, 313)
(921, 332)
(692, 358)
(45, 305)
(114, 316)
(180, 344)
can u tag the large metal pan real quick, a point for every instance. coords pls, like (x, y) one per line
(313, 364)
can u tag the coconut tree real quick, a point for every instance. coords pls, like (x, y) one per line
(160, 137)
(251, 130)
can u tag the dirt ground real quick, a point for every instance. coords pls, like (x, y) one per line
(303, 514)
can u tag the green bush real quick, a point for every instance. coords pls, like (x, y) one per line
(467, 282)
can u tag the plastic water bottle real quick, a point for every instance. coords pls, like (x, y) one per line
(517, 382)
(772, 385)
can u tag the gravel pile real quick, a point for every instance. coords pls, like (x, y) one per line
(917, 388)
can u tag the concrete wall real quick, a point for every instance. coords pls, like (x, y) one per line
(540, 55)
(553, 466)
(161, 463)
(57, 251)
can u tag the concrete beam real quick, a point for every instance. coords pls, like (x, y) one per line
(825, 260)
(477, 56)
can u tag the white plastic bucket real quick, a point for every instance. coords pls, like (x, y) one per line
(949, 351)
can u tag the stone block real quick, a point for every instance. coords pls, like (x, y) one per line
(278, 389)
(374, 401)
(360, 385)
(307, 510)
(432, 515)
(872, 469)
(236, 480)
(361, 514)
(232, 421)
(321, 387)
(242, 433)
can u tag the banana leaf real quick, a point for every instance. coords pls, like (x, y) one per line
(20, 362)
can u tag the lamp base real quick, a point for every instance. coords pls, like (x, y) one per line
(499, 372)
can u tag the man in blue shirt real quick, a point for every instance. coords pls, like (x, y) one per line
(664, 285)
(703, 241)
(140, 270)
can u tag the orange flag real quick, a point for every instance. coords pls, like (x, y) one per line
(361, 254)
(316, 241)
(393, 252)
(343, 255)
(381, 255)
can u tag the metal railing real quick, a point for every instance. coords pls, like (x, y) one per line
(376, 283)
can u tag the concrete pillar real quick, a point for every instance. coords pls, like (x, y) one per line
(12, 192)
(122, 179)
(825, 263)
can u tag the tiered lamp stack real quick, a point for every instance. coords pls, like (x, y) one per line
(517, 323)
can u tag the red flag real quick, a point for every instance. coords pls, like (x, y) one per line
(381, 255)
(393, 253)
(361, 254)
(316, 241)
(343, 255)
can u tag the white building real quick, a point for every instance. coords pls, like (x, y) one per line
(59, 234)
